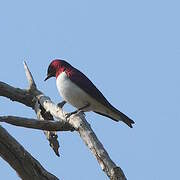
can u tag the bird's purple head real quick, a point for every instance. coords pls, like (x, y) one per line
(56, 67)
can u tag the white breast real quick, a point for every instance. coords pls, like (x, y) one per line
(75, 96)
(78, 98)
(71, 93)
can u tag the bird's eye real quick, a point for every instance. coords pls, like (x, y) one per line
(51, 70)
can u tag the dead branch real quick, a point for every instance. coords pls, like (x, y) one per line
(41, 112)
(37, 124)
(20, 160)
(28, 98)
(43, 104)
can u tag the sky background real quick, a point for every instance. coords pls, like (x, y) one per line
(130, 50)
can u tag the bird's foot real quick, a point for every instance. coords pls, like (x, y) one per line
(80, 110)
(67, 115)
(61, 104)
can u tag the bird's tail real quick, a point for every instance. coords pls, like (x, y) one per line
(116, 115)
(126, 119)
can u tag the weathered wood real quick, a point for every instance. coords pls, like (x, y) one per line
(41, 112)
(46, 110)
(27, 167)
(37, 124)
(79, 122)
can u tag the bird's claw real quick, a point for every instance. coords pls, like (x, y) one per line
(67, 115)
(82, 112)
(61, 104)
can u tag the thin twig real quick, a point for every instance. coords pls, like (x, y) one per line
(36, 124)
(31, 82)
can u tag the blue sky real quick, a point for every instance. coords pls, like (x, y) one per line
(130, 50)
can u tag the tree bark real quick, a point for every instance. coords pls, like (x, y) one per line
(27, 167)
(46, 110)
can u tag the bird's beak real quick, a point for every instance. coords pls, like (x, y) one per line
(48, 76)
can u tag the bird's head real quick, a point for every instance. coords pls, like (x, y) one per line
(56, 67)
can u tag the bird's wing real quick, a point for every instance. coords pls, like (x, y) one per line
(85, 84)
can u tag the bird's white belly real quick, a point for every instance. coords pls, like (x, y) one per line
(72, 94)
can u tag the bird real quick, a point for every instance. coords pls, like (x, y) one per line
(78, 90)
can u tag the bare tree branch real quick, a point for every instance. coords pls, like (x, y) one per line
(17, 94)
(77, 121)
(37, 124)
(20, 160)
(32, 84)
(41, 112)
(28, 98)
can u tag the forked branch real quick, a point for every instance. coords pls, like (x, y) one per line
(46, 110)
